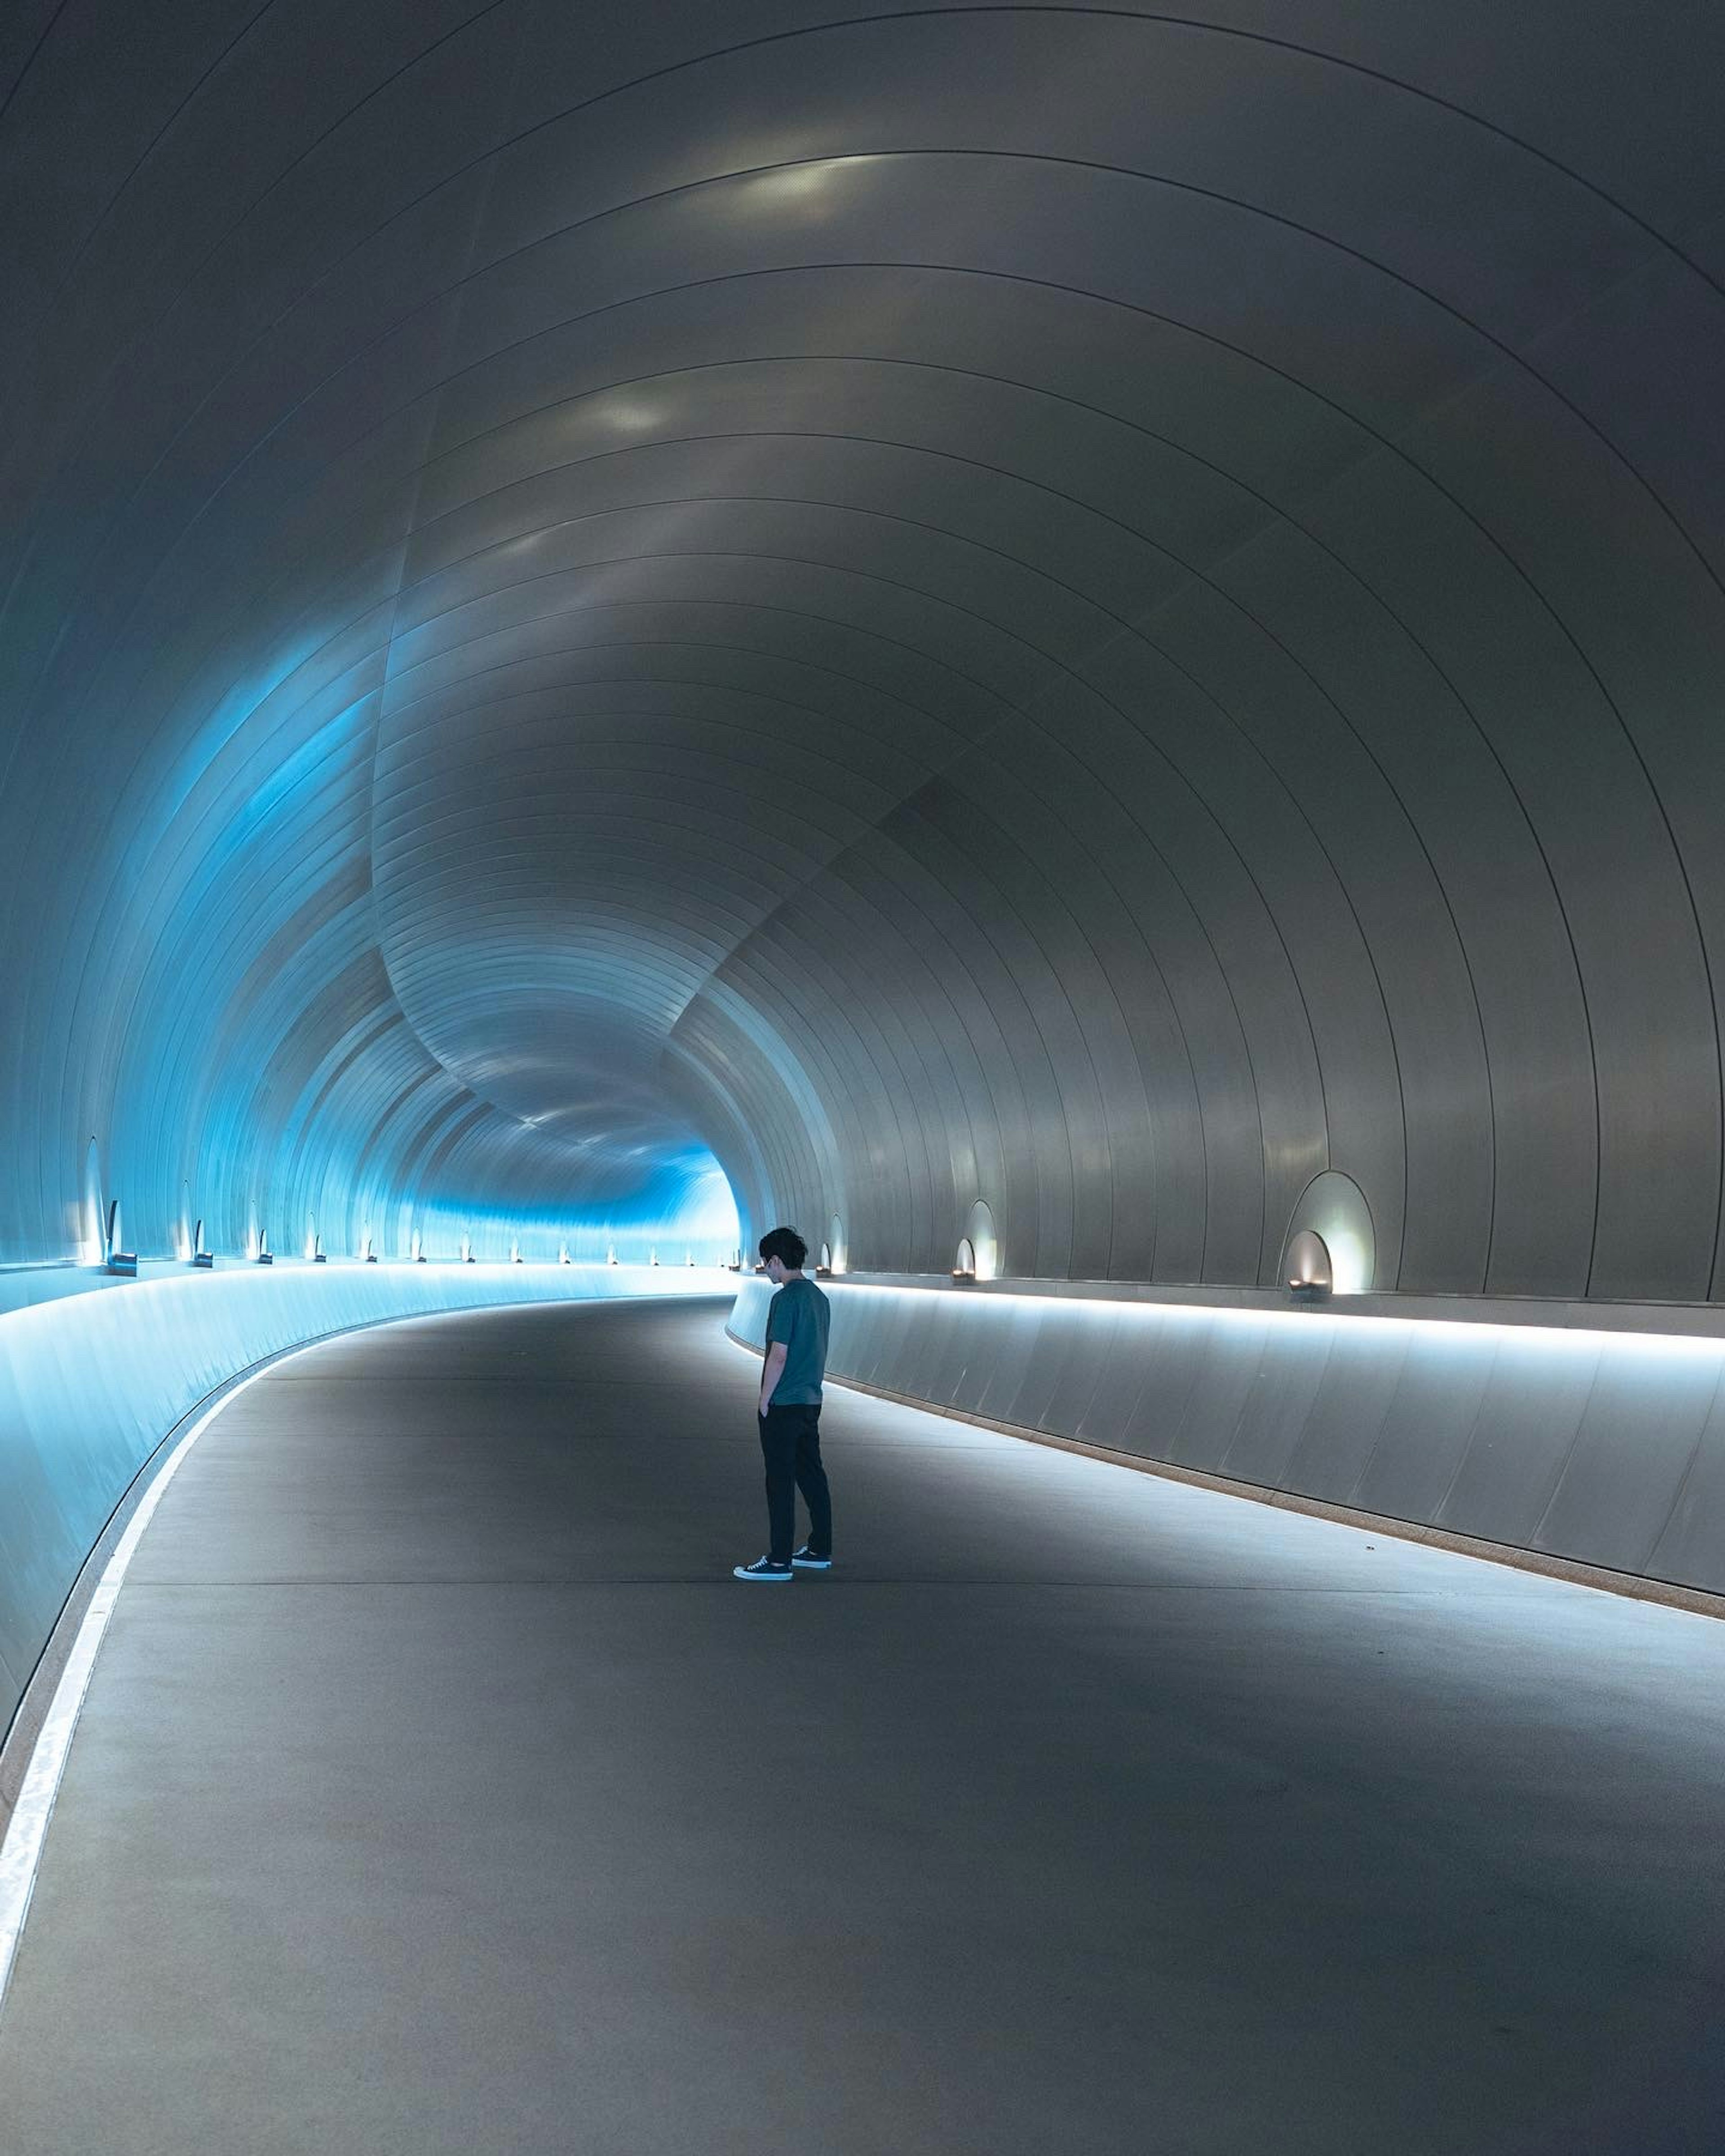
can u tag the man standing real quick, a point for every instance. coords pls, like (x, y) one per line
(798, 1318)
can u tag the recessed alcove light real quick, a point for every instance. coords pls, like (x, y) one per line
(1334, 1211)
(964, 1264)
(985, 1245)
(119, 1260)
(1310, 1277)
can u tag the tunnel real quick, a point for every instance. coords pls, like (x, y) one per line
(1076, 650)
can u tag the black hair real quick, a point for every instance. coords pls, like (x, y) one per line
(786, 1245)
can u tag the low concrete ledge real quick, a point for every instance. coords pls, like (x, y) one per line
(1595, 1448)
(91, 1384)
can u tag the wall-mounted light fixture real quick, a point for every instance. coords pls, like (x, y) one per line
(981, 1244)
(964, 1264)
(263, 1256)
(119, 1261)
(563, 1254)
(204, 1259)
(1331, 1238)
(1310, 1276)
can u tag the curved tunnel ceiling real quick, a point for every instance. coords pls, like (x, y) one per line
(1101, 612)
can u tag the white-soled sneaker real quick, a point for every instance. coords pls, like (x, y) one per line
(805, 1560)
(763, 1568)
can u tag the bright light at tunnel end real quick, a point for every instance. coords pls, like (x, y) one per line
(682, 1209)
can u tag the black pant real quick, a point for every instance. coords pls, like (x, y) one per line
(790, 1442)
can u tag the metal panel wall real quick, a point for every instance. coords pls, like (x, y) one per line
(1605, 1448)
(1090, 610)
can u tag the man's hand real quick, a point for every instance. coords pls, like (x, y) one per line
(774, 1371)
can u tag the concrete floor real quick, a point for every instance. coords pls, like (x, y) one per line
(438, 1790)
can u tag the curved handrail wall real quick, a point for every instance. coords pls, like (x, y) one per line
(90, 1384)
(1604, 1448)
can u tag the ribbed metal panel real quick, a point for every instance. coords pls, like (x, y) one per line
(1604, 1450)
(1093, 611)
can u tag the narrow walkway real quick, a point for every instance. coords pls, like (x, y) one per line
(438, 1790)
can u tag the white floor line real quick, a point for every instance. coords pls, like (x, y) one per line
(21, 1851)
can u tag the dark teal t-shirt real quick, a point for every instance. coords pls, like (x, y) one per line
(800, 1315)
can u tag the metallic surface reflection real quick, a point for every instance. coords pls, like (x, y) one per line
(1604, 1448)
(1101, 614)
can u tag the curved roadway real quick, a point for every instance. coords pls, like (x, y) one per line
(438, 1790)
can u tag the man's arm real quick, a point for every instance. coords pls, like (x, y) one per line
(777, 1352)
